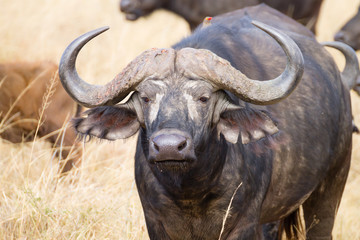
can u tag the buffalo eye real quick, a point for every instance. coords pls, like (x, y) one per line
(145, 99)
(203, 99)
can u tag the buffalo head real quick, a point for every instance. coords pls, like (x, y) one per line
(138, 8)
(350, 32)
(180, 100)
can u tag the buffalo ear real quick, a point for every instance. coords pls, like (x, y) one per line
(252, 125)
(108, 122)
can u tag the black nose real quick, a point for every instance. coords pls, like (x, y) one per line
(171, 142)
(170, 147)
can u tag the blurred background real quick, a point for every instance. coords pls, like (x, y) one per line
(98, 199)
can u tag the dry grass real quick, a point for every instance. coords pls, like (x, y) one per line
(99, 199)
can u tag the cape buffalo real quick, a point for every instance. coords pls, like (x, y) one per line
(350, 34)
(194, 11)
(221, 152)
(23, 92)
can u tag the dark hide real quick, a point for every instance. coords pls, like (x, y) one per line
(271, 159)
(19, 118)
(350, 32)
(194, 12)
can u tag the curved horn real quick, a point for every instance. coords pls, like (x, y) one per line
(77, 88)
(221, 73)
(147, 64)
(351, 70)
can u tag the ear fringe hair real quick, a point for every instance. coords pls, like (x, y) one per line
(103, 118)
(251, 119)
(86, 137)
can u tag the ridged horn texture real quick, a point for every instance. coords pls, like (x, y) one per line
(148, 64)
(157, 63)
(203, 64)
(351, 70)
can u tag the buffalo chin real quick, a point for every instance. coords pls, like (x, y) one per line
(171, 165)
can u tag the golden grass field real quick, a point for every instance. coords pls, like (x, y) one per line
(98, 200)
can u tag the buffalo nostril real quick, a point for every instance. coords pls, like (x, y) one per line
(182, 145)
(166, 146)
(169, 144)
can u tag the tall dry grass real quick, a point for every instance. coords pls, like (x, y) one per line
(98, 200)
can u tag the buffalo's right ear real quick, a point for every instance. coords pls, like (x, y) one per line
(108, 122)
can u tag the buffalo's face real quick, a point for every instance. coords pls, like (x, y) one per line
(350, 33)
(138, 8)
(178, 120)
(176, 113)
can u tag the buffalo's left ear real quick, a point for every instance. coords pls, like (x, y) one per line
(108, 122)
(252, 125)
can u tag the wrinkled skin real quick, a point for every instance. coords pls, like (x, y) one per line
(271, 158)
(32, 80)
(194, 12)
